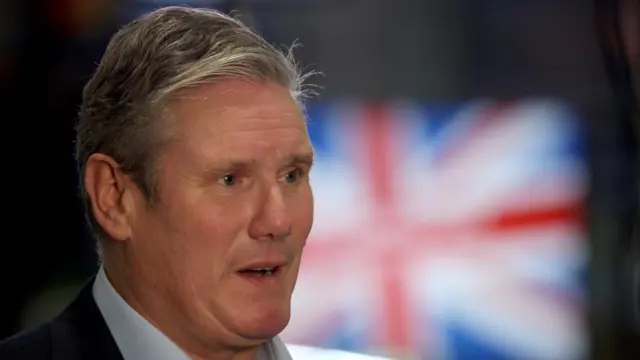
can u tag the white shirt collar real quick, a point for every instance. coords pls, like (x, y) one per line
(138, 339)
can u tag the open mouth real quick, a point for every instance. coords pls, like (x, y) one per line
(260, 272)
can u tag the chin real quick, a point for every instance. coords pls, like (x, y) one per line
(262, 323)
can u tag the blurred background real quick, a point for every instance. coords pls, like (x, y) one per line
(476, 179)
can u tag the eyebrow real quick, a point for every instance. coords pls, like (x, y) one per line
(231, 163)
(305, 157)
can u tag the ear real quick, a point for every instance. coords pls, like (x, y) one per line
(106, 186)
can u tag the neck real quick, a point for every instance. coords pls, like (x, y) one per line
(245, 354)
(124, 280)
(250, 354)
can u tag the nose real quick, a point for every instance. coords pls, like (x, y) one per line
(272, 221)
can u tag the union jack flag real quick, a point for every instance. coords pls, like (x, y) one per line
(445, 232)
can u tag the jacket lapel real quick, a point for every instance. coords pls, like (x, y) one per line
(80, 332)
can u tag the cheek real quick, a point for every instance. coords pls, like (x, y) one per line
(206, 235)
(200, 252)
(209, 232)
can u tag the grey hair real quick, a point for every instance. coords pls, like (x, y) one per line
(148, 61)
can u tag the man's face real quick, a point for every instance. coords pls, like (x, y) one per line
(234, 195)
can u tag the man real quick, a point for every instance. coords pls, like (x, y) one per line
(195, 160)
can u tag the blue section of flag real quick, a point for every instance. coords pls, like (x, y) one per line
(437, 121)
(466, 345)
(436, 124)
(340, 333)
(352, 341)
(573, 145)
(317, 121)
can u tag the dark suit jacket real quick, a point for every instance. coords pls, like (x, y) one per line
(78, 333)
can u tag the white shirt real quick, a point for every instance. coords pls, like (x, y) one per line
(138, 339)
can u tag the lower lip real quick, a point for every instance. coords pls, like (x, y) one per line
(257, 278)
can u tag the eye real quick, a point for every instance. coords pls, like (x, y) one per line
(293, 176)
(228, 180)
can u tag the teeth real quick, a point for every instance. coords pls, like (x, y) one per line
(264, 271)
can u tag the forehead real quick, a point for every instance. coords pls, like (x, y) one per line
(239, 118)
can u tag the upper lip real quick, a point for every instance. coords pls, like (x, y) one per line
(263, 264)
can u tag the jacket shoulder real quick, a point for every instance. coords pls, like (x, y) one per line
(300, 352)
(31, 344)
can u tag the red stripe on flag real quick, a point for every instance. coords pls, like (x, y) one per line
(376, 134)
(427, 237)
(396, 317)
(378, 158)
(522, 219)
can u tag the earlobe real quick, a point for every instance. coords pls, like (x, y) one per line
(104, 183)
